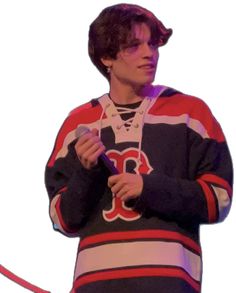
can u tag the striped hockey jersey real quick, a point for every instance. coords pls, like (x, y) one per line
(150, 244)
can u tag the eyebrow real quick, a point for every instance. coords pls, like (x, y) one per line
(134, 40)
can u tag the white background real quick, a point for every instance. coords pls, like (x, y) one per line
(45, 72)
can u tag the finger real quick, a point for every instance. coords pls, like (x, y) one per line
(88, 142)
(95, 131)
(83, 138)
(96, 153)
(123, 191)
(113, 180)
(91, 156)
(86, 145)
(93, 149)
(87, 136)
(119, 188)
(127, 196)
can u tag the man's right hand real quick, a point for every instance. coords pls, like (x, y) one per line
(88, 148)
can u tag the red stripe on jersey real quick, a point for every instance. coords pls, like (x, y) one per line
(136, 273)
(85, 114)
(59, 215)
(182, 104)
(211, 178)
(211, 205)
(137, 235)
(63, 189)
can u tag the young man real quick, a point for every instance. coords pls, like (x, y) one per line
(139, 229)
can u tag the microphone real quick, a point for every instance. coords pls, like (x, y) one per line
(80, 131)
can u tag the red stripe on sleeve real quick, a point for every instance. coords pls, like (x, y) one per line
(211, 178)
(211, 205)
(62, 223)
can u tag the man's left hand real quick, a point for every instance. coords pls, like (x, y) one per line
(126, 186)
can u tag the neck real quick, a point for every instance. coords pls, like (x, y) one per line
(127, 95)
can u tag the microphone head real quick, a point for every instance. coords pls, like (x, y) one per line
(81, 130)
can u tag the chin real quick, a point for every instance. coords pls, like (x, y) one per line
(143, 82)
(148, 81)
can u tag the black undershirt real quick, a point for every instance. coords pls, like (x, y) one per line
(126, 116)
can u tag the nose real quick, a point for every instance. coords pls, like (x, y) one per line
(149, 51)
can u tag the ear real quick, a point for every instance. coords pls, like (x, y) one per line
(107, 61)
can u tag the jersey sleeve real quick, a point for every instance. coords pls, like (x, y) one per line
(73, 190)
(204, 197)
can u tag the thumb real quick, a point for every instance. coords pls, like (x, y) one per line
(95, 131)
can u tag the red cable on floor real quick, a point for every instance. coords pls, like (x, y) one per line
(20, 281)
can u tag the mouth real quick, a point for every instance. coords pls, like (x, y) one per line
(147, 66)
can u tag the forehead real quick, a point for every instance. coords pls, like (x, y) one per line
(139, 31)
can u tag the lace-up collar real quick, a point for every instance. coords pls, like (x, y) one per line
(129, 122)
(131, 129)
(122, 128)
(127, 113)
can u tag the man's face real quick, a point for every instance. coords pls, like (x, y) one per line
(136, 62)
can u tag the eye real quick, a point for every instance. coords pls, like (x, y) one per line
(131, 47)
(153, 45)
(134, 44)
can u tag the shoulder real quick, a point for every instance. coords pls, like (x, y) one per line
(86, 113)
(82, 108)
(173, 103)
(182, 102)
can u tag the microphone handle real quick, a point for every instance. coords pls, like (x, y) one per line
(109, 164)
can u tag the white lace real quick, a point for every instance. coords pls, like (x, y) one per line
(129, 123)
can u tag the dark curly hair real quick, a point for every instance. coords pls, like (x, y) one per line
(111, 30)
